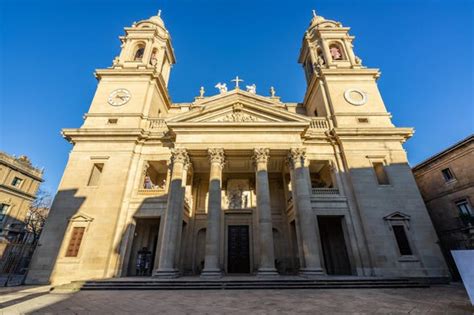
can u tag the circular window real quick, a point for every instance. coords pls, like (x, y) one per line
(355, 97)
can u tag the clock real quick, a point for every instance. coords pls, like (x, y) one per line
(355, 97)
(119, 97)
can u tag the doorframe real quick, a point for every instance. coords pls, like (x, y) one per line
(238, 217)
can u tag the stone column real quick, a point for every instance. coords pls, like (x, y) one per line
(304, 213)
(212, 266)
(173, 215)
(264, 212)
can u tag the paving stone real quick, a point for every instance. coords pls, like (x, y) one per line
(446, 299)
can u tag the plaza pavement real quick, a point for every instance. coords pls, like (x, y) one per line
(441, 299)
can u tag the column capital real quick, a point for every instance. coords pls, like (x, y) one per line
(179, 155)
(296, 157)
(261, 155)
(216, 155)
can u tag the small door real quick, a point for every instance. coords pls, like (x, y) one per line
(238, 259)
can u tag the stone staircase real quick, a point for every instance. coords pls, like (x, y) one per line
(248, 284)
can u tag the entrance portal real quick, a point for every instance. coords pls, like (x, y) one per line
(238, 257)
(335, 254)
(143, 251)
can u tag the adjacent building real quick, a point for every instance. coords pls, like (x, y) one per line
(19, 182)
(237, 182)
(446, 182)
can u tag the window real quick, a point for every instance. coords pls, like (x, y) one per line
(17, 182)
(3, 211)
(380, 173)
(402, 240)
(315, 112)
(112, 121)
(447, 174)
(363, 120)
(139, 53)
(308, 67)
(154, 57)
(464, 207)
(75, 241)
(95, 174)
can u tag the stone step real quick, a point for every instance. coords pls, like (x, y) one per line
(249, 284)
(301, 287)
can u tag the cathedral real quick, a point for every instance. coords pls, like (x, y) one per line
(237, 183)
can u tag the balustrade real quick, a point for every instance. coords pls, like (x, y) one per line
(319, 123)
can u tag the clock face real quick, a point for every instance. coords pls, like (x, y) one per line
(119, 97)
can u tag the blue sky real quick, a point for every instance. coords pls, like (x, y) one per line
(49, 50)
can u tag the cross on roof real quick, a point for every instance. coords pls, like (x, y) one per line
(237, 80)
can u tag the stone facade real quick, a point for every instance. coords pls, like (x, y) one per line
(19, 182)
(446, 182)
(237, 182)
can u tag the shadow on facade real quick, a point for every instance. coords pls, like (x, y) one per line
(138, 248)
(392, 218)
(390, 208)
(66, 206)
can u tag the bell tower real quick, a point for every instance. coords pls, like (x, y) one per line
(135, 87)
(338, 85)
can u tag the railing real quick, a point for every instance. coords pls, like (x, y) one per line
(151, 191)
(157, 123)
(324, 191)
(319, 123)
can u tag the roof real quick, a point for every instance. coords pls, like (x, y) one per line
(441, 154)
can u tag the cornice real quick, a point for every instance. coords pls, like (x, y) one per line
(16, 192)
(375, 133)
(20, 170)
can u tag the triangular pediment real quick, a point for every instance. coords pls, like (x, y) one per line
(397, 216)
(239, 107)
(81, 217)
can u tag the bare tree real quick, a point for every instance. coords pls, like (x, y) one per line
(37, 214)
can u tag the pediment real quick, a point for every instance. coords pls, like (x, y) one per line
(239, 107)
(397, 216)
(81, 217)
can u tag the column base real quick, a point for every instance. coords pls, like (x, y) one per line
(267, 272)
(311, 272)
(166, 274)
(211, 273)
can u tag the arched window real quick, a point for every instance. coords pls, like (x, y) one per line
(139, 53)
(154, 57)
(337, 53)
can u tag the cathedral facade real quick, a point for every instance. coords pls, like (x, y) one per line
(237, 182)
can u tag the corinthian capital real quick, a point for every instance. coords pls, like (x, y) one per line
(261, 155)
(216, 155)
(180, 155)
(296, 157)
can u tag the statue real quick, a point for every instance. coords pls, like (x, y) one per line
(251, 88)
(272, 91)
(148, 184)
(222, 87)
(358, 61)
(201, 92)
